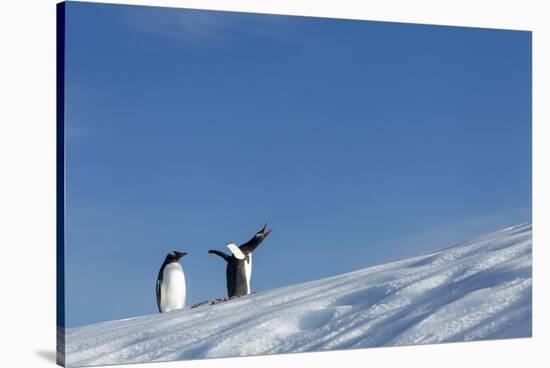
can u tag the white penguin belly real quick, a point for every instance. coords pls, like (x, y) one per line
(248, 271)
(172, 290)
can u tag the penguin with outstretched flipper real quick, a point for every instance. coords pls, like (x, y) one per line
(239, 263)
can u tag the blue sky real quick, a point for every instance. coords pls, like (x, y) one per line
(359, 142)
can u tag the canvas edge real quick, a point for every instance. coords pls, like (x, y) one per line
(60, 183)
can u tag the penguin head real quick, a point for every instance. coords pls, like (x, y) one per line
(263, 233)
(174, 256)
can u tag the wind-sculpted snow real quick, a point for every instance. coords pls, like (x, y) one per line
(472, 291)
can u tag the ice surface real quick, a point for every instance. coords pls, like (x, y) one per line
(476, 290)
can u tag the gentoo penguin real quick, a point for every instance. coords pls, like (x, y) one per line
(171, 283)
(239, 263)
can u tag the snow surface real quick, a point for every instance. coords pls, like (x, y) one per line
(476, 290)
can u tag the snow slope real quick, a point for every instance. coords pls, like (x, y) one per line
(475, 290)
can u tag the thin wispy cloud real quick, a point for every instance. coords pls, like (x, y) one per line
(191, 25)
(455, 232)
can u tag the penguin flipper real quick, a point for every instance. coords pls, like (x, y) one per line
(219, 254)
(158, 293)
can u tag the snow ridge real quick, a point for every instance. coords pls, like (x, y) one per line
(472, 291)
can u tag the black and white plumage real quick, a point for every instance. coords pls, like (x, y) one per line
(171, 290)
(239, 263)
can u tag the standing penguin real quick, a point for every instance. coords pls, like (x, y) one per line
(171, 283)
(239, 263)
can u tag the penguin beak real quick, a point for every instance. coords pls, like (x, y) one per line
(180, 254)
(265, 231)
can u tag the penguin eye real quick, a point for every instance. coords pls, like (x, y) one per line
(259, 235)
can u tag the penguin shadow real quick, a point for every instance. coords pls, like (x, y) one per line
(47, 355)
